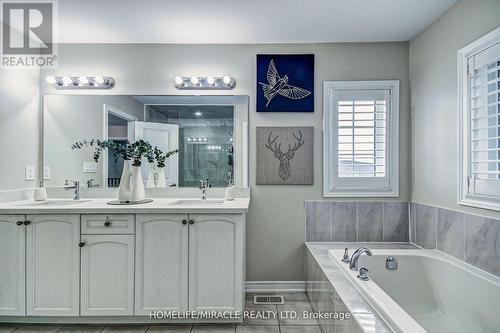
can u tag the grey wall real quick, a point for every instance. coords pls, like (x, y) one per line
(19, 105)
(275, 228)
(68, 119)
(434, 96)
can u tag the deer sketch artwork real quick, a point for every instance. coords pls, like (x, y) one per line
(284, 155)
(284, 169)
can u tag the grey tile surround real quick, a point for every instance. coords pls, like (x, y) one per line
(330, 221)
(471, 238)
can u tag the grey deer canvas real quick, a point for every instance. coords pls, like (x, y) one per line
(285, 155)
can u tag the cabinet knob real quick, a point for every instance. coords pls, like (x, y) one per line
(27, 222)
(184, 221)
(107, 223)
(20, 222)
(81, 244)
(191, 222)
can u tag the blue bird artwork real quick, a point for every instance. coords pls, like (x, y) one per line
(285, 83)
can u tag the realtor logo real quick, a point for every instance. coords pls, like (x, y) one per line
(28, 33)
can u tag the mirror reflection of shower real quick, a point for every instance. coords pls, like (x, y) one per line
(206, 141)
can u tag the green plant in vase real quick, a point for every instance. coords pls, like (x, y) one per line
(161, 159)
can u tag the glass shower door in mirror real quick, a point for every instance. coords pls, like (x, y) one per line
(205, 140)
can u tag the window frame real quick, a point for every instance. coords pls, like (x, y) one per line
(330, 187)
(464, 158)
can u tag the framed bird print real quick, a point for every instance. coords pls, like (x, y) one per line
(285, 83)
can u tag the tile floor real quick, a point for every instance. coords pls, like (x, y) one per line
(293, 301)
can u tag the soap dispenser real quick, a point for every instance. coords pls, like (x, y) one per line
(229, 195)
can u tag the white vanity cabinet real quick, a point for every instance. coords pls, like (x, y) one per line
(107, 275)
(52, 265)
(161, 275)
(12, 265)
(125, 264)
(107, 265)
(216, 272)
(189, 262)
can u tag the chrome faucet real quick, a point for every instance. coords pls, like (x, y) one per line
(90, 183)
(204, 184)
(353, 265)
(76, 187)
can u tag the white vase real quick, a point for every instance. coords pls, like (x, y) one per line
(162, 181)
(137, 184)
(125, 189)
(40, 194)
(151, 182)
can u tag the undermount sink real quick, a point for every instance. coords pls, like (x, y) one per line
(54, 203)
(192, 202)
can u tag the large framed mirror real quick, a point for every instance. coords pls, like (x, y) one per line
(210, 133)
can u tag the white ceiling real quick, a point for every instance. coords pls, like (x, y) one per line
(244, 22)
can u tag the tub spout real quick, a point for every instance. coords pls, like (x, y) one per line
(353, 265)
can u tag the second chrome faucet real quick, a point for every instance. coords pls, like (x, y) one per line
(204, 185)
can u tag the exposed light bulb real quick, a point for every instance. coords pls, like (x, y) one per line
(67, 80)
(226, 80)
(83, 80)
(198, 114)
(195, 80)
(50, 79)
(99, 79)
(210, 80)
(178, 80)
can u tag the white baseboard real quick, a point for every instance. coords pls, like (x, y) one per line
(275, 286)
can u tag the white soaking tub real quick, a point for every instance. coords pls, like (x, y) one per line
(429, 292)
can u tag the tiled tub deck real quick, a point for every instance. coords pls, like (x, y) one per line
(329, 290)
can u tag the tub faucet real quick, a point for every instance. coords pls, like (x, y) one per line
(353, 265)
(76, 187)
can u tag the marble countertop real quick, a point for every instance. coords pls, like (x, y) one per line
(100, 205)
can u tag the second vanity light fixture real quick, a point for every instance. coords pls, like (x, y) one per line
(204, 82)
(81, 82)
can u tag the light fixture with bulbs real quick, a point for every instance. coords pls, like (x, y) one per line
(80, 82)
(204, 82)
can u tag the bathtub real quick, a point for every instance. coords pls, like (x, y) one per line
(429, 292)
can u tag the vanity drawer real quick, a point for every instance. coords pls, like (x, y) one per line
(108, 224)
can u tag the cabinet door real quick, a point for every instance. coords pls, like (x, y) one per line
(161, 263)
(12, 263)
(216, 262)
(52, 265)
(107, 281)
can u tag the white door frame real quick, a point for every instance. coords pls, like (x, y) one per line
(108, 109)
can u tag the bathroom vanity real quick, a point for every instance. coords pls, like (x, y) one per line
(74, 261)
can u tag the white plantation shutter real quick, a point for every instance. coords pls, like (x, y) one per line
(484, 120)
(479, 101)
(361, 138)
(361, 133)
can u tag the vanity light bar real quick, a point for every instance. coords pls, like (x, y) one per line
(80, 82)
(197, 140)
(204, 82)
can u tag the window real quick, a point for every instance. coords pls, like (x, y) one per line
(479, 104)
(360, 128)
